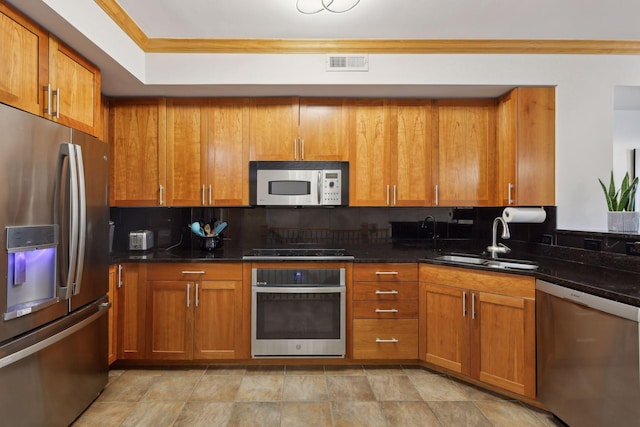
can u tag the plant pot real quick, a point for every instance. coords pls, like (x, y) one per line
(623, 222)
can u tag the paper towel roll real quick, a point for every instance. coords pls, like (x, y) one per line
(536, 215)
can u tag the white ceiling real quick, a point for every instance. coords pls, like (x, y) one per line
(401, 19)
(393, 19)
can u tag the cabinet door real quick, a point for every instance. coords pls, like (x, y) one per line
(186, 152)
(323, 130)
(369, 153)
(24, 49)
(506, 135)
(503, 342)
(526, 142)
(274, 129)
(411, 152)
(131, 314)
(170, 320)
(218, 320)
(137, 140)
(447, 336)
(77, 82)
(228, 153)
(464, 152)
(113, 310)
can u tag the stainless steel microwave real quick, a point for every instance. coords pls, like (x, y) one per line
(282, 183)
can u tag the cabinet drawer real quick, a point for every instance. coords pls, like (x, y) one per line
(385, 339)
(194, 271)
(385, 272)
(387, 291)
(405, 309)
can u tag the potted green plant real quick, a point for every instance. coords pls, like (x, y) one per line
(621, 205)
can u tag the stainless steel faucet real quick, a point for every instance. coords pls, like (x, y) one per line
(434, 236)
(499, 248)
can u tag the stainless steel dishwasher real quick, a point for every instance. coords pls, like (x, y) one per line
(588, 357)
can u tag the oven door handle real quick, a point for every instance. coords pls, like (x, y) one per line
(299, 289)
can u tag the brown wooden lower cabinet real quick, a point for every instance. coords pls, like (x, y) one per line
(194, 311)
(385, 311)
(385, 339)
(130, 299)
(480, 324)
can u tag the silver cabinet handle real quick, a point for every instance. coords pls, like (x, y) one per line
(395, 195)
(392, 310)
(188, 294)
(119, 276)
(210, 187)
(464, 304)
(437, 201)
(56, 113)
(473, 305)
(392, 292)
(202, 192)
(386, 273)
(193, 271)
(161, 194)
(387, 195)
(510, 198)
(295, 149)
(197, 299)
(302, 149)
(392, 340)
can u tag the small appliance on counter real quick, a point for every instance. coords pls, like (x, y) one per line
(140, 240)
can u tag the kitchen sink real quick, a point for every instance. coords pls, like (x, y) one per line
(507, 264)
(461, 259)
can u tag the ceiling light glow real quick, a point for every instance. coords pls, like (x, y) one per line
(309, 7)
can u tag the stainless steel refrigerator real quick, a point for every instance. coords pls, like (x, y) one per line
(54, 264)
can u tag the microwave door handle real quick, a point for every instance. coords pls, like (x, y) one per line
(66, 216)
(319, 187)
(82, 219)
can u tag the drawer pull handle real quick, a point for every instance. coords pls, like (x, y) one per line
(393, 292)
(193, 272)
(380, 310)
(386, 273)
(392, 340)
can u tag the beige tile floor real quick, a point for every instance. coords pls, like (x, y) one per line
(300, 396)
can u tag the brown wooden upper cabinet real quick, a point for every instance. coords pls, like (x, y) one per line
(207, 152)
(298, 129)
(137, 140)
(74, 85)
(390, 152)
(464, 152)
(41, 75)
(526, 144)
(24, 56)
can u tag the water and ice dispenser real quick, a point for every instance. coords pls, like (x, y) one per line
(31, 269)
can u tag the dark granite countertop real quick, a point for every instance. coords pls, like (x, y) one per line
(611, 283)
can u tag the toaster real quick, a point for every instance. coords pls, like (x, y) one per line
(140, 240)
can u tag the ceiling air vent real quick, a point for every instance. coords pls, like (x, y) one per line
(347, 62)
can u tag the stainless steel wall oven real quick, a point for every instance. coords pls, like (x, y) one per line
(298, 312)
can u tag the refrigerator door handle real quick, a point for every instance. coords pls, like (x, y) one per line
(82, 219)
(68, 259)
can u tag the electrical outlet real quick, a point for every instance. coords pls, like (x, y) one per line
(593, 244)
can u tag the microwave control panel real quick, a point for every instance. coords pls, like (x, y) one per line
(331, 188)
